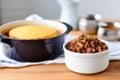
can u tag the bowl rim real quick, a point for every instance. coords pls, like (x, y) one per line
(77, 54)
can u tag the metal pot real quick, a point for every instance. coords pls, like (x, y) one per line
(35, 50)
(89, 24)
(109, 31)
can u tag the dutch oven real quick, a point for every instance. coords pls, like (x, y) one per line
(36, 50)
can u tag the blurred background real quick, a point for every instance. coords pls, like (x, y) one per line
(11, 10)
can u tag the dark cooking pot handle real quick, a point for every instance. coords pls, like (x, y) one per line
(69, 27)
(5, 40)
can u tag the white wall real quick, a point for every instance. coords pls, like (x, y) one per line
(11, 10)
(50, 9)
(107, 8)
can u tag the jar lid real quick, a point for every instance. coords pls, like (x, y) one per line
(96, 17)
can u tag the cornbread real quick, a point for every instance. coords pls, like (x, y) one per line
(32, 32)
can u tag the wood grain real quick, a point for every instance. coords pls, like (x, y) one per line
(58, 72)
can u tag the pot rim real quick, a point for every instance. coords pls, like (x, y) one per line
(37, 21)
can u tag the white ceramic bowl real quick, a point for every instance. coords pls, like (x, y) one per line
(87, 63)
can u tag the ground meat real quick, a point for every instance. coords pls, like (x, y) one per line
(86, 44)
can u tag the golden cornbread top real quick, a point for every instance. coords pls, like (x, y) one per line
(32, 32)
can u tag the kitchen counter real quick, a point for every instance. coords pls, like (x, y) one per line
(58, 72)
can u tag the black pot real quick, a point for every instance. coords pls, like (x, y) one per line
(35, 50)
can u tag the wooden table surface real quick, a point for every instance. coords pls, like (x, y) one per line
(58, 72)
